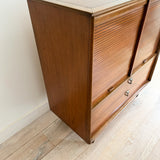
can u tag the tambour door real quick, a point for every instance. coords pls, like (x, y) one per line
(114, 42)
(150, 35)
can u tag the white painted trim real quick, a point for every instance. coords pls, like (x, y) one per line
(22, 122)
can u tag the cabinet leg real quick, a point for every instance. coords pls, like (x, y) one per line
(92, 141)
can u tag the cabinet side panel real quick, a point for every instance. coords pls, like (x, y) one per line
(63, 38)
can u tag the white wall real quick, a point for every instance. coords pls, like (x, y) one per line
(22, 88)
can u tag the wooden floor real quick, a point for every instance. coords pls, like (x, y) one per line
(133, 135)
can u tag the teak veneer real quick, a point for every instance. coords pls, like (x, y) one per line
(95, 57)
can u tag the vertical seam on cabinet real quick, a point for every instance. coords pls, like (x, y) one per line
(90, 68)
(139, 34)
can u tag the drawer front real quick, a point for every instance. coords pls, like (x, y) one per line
(106, 108)
(150, 35)
(114, 43)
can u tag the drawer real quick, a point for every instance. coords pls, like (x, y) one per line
(106, 108)
(114, 43)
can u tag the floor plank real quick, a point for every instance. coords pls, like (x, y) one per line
(155, 153)
(57, 132)
(42, 143)
(71, 147)
(36, 149)
(15, 142)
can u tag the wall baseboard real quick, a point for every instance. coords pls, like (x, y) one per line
(22, 122)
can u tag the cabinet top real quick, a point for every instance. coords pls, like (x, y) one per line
(93, 6)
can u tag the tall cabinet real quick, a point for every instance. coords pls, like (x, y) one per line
(95, 55)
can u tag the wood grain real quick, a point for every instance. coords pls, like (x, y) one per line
(114, 43)
(87, 57)
(22, 137)
(128, 136)
(106, 108)
(150, 36)
(57, 132)
(36, 149)
(70, 148)
(65, 63)
(154, 152)
(94, 6)
(102, 18)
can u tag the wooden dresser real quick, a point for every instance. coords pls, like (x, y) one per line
(95, 55)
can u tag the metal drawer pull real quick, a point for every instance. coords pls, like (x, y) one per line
(110, 89)
(145, 61)
(130, 81)
(126, 93)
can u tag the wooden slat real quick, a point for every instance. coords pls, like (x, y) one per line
(113, 14)
(154, 154)
(70, 148)
(26, 134)
(149, 38)
(35, 149)
(114, 43)
(57, 132)
(42, 143)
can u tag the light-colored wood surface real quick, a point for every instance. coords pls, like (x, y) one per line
(92, 6)
(57, 132)
(25, 135)
(34, 149)
(132, 135)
